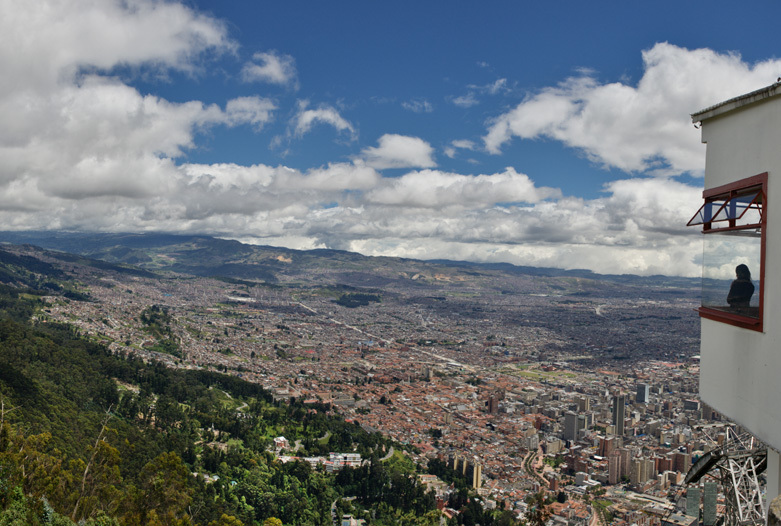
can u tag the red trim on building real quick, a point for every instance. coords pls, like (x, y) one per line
(729, 191)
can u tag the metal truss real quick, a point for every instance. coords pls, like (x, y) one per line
(736, 466)
(742, 492)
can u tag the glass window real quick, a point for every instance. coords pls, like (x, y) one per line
(736, 208)
(732, 219)
(722, 287)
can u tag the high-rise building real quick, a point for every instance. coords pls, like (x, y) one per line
(457, 463)
(682, 462)
(552, 445)
(570, 426)
(636, 475)
(709, 494)
(573, 425)
(614, 473)
(643, 393)
(626, 461)
(619, 413)
(607, 445)
(642, 471)
(693, 502)
(663, 464)
(477, 475)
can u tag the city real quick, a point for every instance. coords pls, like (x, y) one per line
(589, 392)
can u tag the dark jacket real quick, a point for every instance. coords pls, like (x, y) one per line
(740, 293)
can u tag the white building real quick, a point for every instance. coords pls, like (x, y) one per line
(337, 461)
(741, 332)
(349, 520)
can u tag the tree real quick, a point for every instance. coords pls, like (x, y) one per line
(539, 512)
(100, 477)
(228, 520)
(505, 518)
(163, 493)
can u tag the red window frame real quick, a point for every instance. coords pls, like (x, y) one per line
(724, 199)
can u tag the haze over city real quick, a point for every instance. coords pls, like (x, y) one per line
(538, 135)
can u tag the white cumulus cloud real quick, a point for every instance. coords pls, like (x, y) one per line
(249, 110)
(307, 118)
(399, 151)
(82, 149)
(434, 189)
(47, 42)
(635, 128)
(466, 101)
(73, 131)
(271, 67)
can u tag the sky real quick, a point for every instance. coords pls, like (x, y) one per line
(549, 134)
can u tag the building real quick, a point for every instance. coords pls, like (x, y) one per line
(663, 464)
(709, 496)
(471, 469)
(693, 495)
(552, 445)
(573, 425)
(626, 461)
(337, 461)
(642, 471)
(619, 413)
(679, 520)
(682, 462)
(643, 394)
(349, 520)
(607, 445)
(531, 442)
(614, 472)
(739, 358)
(477, 475)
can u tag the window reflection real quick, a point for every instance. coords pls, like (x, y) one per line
(724, 253)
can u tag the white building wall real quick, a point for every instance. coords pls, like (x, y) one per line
(740, 368)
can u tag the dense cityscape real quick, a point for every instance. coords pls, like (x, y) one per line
(581, 388)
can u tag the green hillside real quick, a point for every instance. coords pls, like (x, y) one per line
(101, 439)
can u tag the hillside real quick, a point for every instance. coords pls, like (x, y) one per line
(139, 351)
(209, 256)
(102, 438)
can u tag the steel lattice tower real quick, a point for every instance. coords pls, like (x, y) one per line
(736, 466)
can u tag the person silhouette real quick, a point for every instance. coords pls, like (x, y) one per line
(742, 289)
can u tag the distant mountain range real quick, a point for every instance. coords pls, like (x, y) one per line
(213, 257)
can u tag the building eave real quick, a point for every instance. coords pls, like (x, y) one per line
(741, 101)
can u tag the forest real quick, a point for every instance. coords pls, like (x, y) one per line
(95, 438)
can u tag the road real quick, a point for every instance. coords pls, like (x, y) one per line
(337, 520)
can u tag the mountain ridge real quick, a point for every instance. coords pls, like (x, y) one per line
(209, 256)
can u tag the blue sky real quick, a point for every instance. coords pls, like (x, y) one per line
(372, 59)
(532, 133)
